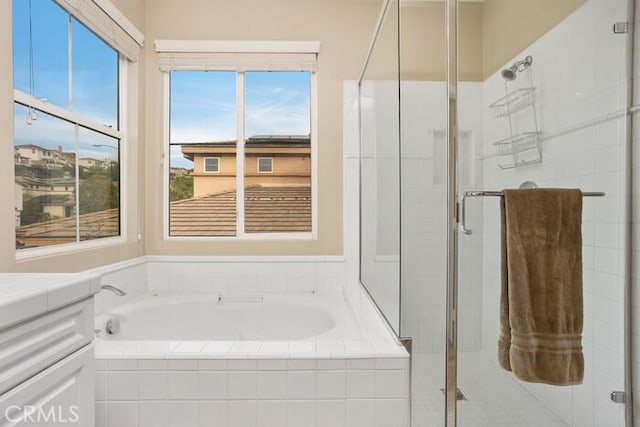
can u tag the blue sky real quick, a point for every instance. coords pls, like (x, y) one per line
(94, 82)
(203, 104)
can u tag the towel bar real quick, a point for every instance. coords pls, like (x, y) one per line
(463, 214)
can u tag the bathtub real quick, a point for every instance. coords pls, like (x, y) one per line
(230, 317)
(244, 359)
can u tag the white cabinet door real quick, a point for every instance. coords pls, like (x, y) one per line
(29, 347)
(61, 395)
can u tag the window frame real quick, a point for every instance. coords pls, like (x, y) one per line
(270, 164)
(127, 74)
(239, 56)
(204, 165)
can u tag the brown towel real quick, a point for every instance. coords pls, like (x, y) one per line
(541, 302)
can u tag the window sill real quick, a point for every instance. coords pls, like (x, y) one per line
(30, 254)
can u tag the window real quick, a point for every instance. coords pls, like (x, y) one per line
(235, 120)
(212, 164)
(68, 134)
(265, 164)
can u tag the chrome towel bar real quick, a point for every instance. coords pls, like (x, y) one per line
(463, 213)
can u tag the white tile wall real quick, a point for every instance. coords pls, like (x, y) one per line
(246, 274)
(244, 393)
(423, 201)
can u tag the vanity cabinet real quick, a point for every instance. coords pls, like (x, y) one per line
(47, 371)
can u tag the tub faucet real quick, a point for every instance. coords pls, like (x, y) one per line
(116, 290)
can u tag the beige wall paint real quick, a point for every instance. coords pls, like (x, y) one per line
(509, 26)
(77, 260)
(134, 10)
(490, 33)
(343, 28)
(423, 43)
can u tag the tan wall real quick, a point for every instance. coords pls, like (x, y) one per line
(509, 26)
(282, 166)
(343, 27)
(423, 44)
(227, 164)
(489, 35)
(288, 170)
(132, 170)
(206, 185)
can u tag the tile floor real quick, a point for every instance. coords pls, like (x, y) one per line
(494, 398)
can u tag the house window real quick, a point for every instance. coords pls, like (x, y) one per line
(212, 164)
(235, 122)
(265, 164)
(67, 88)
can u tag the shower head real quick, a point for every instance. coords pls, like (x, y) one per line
(511, 72)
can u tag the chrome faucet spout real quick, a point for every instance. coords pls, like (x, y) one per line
(116, 290)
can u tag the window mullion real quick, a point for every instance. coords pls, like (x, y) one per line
(77, 180)
(70, 60)
(64, 114)
(240, 154)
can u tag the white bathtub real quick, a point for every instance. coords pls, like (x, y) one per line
(231, 317)
(289, 350)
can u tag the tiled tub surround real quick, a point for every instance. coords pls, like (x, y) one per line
(358, 379)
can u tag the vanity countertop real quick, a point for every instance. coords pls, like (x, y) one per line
(27, 295)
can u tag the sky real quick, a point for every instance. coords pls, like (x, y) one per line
(94, 82)
(203, 104)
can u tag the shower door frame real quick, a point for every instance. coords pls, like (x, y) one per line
(451, 350)
(453, 216)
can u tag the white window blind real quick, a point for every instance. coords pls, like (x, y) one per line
(236, 55)
(104, 19)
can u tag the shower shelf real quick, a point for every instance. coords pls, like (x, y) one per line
(513, 101)
(523, 149)
(517, 144)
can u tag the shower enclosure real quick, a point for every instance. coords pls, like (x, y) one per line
(457, 101)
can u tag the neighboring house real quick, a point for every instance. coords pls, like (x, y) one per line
(270, 160)
(39, 186)
(87, 162)
(37, 156)
(54, 196)
(179, 172)
(58, 205)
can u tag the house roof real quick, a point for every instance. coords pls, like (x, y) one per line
(257, 141)
(267, 209)
(92, 226)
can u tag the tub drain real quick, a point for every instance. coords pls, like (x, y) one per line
(459, 394)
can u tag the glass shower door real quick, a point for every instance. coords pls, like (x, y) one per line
(548, 109)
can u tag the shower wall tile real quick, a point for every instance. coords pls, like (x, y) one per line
(246, 274)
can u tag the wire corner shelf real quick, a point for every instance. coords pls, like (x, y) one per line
(513, 101)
